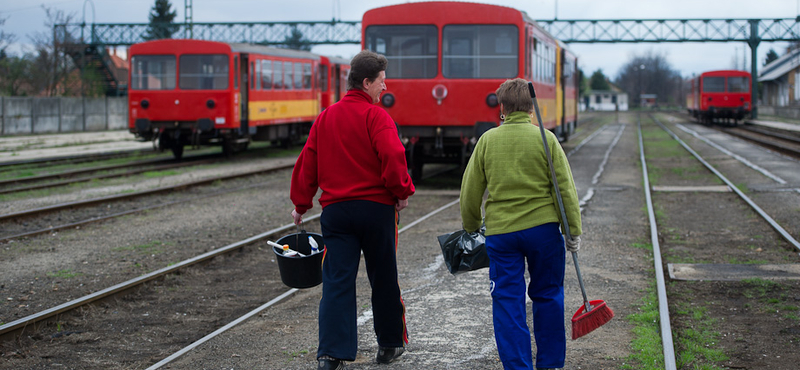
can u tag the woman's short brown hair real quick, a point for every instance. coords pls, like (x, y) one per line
(515, 96)
(366, 64)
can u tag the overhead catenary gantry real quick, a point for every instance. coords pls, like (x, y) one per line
(750, 31)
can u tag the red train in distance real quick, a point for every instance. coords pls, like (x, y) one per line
(446, 59)
(719, 96)
(194, 92)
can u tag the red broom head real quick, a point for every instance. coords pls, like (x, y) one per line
(585, 322)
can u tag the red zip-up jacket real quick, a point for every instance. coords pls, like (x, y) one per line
(353, 152)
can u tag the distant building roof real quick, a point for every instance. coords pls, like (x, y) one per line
(780, 66)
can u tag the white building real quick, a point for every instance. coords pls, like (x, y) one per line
(604, 101)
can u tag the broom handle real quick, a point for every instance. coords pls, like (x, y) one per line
(565, 222)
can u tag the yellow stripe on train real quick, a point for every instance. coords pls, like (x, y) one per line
(282, 109)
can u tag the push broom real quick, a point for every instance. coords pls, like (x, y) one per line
(592, 314)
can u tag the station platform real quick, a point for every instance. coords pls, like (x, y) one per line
(27, 147)
(775, 124)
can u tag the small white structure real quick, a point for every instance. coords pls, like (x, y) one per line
(604, 101)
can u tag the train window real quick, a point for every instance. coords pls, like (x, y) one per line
(306, 75)
(278, 68)
(738, 84)
(713, 84)
(287, 74)
(204, 72)
(298, 76)
(480, 51)
(266, 74)
(153, 72)
(257, 74)
(411, 50)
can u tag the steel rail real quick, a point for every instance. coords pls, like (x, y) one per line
(792, 148)
(106, 176)
(250, 314)
(82, 171)
(663, 305)
(128, 212)
(139, 193)
(77, 158)
(786, 236)
(22, 323)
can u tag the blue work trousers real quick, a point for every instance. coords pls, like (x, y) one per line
(348, 229)
(543, 248)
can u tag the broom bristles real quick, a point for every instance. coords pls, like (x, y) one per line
(585, 322)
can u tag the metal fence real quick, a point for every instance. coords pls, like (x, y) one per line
(33, 115)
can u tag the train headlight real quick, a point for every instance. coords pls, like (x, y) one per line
(491, 100)
(145, 103)
(210, 103)
(387, 100)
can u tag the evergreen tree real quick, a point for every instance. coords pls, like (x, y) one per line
(296, 41)
(161, 21)
(771, 56)
(598, 81)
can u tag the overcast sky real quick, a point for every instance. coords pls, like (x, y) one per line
(25, 18)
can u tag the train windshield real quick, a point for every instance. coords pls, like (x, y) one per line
(204, 72)
(738, 84)
(152, 72)
(480, 51)
(411, 50)
(713, 84)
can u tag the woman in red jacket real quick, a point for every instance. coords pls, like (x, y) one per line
(353, 153)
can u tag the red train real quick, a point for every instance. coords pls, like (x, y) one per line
(446, 59)
(722, 96)
(193, 92)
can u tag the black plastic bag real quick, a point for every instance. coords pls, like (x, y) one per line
(464, 251)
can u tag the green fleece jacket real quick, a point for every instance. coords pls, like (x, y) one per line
(510, 162)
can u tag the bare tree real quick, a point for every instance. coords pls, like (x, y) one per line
(53, 64)
(5, 39)
(651, 73)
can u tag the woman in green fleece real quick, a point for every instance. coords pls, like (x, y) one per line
(522, 223)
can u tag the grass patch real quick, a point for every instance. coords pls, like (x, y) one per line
(696, 340)
(63, 274)
(647, 353)
(152, 174)
(153, 247)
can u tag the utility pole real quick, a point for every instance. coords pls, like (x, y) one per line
(187, 19)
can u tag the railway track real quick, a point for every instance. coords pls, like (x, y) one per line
(155, 297)
(15, 227)
(71, 177)
(781, 141)
(659, 235)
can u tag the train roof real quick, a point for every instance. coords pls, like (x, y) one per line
(173, 45)
(268, 50)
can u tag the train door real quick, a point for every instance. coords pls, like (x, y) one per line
(245, 67)
(337, 84)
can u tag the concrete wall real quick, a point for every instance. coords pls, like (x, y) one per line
(785, 112)
(25, 116)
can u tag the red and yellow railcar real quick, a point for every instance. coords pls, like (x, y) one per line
(194, 92)
(722, 96)
(446, 59)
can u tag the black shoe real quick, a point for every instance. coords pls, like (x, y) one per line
(330, 363)
(388, 354)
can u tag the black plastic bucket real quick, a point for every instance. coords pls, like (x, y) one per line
(300, 272)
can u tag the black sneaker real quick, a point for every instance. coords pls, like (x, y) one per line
(330, 363)
(388, 354)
